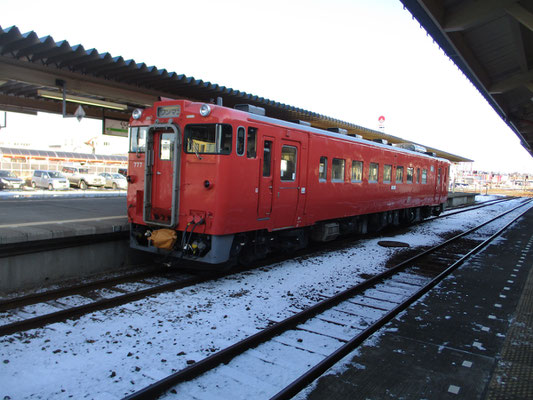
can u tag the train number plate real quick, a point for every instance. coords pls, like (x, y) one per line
(168, 111)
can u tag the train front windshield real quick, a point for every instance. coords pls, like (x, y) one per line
(138, 139)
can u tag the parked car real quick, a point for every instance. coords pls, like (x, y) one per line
(52, 180)
(8, 180)
(80, 177)
(115, 181)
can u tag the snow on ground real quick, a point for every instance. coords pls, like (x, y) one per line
(112, 353)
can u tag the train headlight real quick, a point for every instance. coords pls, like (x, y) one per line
(205, 110)
(137, 113)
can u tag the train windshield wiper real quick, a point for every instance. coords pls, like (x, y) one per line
(196, 150)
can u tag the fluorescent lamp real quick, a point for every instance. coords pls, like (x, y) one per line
(82, 100)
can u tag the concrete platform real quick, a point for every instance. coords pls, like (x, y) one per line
(29, 218)
(470, 338)
(459, 198)
(57, 216)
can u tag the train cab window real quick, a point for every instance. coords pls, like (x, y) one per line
(418, 175)
(251, 143)
(288, 163)
(410, 174)
(208, 139)
(337, 170)
(138, 139)
(399, 174)
(267, 158)
(387, 173)
(357, 171)
(373, 172)
(166, 146)
(323, 169)
(424, 176)
(240, 141)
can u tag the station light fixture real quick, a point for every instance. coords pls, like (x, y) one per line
(81, 100)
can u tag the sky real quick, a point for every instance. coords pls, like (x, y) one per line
(354, 60)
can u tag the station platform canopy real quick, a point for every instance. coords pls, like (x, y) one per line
(34, 72)
(492, 43)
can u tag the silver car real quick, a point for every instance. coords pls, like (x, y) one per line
(8, 180)
(115, 181)
(52, 180)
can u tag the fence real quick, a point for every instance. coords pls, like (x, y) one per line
(25, 169)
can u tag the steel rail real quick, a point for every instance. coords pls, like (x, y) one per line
(469, 208)
(73, 312)
(314, 373)
(223, 356)
(52, 294)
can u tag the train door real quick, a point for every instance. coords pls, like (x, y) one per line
(161, 191)
(264, 203)
(288, 175)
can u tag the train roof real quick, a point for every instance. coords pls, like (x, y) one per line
(294, 125)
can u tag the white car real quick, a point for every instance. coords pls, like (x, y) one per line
(80, 177)
(115, 181)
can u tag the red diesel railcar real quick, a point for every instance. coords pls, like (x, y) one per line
(216, 184)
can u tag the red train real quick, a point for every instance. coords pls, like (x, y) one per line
(220, 185)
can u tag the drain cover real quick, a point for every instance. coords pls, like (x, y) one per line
(392, 243)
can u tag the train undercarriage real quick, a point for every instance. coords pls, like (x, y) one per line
(247, 247)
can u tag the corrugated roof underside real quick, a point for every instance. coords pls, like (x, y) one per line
(61, 56)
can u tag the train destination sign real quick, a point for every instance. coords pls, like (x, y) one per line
(168, 111)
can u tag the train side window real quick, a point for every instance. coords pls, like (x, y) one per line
(373, 172)
(399, 174)
(323, 169)
(387, 173)
(337, 170)
(410, 173)
(418, 175)
(240, 141)
(438, 176)
(267, 158)
(424, 176)
(251, 143)
(288, 163)
(357, 171)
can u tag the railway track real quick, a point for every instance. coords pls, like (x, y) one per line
(281, 360)
(17, 314)
(72, 302)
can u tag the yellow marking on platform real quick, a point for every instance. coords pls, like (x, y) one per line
(64, 221)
